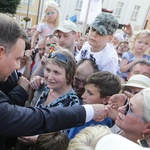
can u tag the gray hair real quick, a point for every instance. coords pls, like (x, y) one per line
(146, 104)
(10, 32)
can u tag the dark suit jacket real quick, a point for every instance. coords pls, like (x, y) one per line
(21, 121)
(11, 88)
(17, 96)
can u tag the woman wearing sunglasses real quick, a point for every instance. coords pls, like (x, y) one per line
(134, 117)
(57, 90)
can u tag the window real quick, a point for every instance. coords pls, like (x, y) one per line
(28, 1)
(79, 4)
(135, 12)
(57, 1)
(23, 24)
(118, 9)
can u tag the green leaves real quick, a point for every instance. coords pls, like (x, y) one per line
(7, 6)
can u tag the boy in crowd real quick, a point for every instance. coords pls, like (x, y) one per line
(98, 47)
(99, 86)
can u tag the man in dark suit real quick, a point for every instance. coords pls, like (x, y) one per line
(21, 121)
(15, 88)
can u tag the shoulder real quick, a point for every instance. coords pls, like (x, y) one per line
(127, 54)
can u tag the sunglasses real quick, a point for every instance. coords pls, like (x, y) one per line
(51, 13)
(129, 111)
(61, 57)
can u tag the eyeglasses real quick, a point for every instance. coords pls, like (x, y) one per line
(129, 111)
(51, 45)
(61, 57)
(77, 80)
(51, 13)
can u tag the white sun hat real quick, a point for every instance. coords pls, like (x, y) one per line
(139, 81)
(117, 142)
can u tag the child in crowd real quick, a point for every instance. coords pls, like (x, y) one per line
(98, 46)
(99, 87)
(88, 138)
(52, 141)
(141, 44)
(49, 22)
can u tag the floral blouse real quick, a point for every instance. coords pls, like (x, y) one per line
(68, 99)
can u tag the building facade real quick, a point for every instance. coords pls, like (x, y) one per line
(135, 12)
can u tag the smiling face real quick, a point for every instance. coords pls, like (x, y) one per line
(55, 76)
(10, 62)
(130, 122)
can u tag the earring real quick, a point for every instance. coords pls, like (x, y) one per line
(143, 142)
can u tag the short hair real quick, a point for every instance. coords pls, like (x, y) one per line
(10, 32)
(125, 42)
(87, 138)
(107, 83)
(52, 141)
(141, 62)
(146, 104)
(93, 64)
(70, 66)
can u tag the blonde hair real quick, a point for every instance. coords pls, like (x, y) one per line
(52, 4)
(88, 138)
(146, 103)
(141, 34)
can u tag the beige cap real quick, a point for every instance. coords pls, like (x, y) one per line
(66, 26)
(139, 81)
(117, 142)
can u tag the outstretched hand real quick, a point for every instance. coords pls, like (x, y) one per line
(99, 112)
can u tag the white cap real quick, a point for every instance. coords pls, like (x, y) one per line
(119, 36)
(117, 142)
(66, 26)
(139, 81)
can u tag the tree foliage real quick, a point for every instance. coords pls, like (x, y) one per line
(9, 6)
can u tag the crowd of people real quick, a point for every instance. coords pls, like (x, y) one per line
(63, 90)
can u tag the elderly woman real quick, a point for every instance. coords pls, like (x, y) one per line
(134, 117)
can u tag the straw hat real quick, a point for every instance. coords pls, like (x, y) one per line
(117, 142)
(139, 81)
